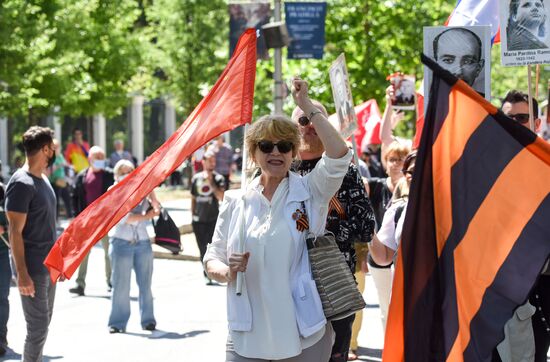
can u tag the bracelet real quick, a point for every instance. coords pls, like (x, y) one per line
(313, 113)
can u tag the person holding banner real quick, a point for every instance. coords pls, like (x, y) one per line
(350, 218)
(279, 315)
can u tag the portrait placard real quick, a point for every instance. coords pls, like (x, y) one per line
(465, 51)
(404, 87)
(341, 92)
(525, 32)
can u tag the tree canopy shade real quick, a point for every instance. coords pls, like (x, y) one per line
(78, 55)
(90, 56)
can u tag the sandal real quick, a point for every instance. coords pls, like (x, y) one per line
(352, 355)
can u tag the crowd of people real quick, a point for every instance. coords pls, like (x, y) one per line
(305, 173)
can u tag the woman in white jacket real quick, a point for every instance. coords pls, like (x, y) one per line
(279, 315)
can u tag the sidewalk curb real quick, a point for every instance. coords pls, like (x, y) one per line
(170, 256)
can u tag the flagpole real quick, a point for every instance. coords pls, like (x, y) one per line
(240, 276)
(537, 80)
(530, 96)
(355, 154)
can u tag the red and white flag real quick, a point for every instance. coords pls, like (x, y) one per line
(227, 106)
(477, 12)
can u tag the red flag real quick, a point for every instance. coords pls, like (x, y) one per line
(227, 106)
(368, 118)
(368, 122)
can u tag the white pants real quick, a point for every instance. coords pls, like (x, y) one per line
(383, 278)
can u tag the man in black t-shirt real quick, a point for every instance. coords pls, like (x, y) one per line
(207, 188)
(31, 210)
(350, 217)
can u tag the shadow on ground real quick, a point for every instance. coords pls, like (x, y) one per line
(369, 354)
(160, 334)
(11, 355)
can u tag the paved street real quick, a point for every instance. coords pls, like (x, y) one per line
(190, 316)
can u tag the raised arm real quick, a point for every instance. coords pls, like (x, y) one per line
(335, 146)
(389, 121)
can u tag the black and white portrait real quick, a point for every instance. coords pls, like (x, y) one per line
(526, 28)
(464, 51)
(342, 96)
(404, 86)
(525, 34)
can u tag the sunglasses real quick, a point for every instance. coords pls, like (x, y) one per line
(303, 121)
(282, 146)
(521, 118)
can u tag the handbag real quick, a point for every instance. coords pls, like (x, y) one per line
(336, 285)
(167, 234)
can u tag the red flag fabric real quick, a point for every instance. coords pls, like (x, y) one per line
(372, 119)
(227, 106)
(368, 122)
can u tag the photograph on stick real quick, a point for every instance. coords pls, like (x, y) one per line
(341, 92)
(404, 87)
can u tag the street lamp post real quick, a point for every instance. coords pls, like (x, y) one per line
(278, 77)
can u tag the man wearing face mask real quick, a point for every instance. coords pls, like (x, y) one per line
(31, 210)
(90, 184)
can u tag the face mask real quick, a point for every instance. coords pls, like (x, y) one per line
(51, 160)
(98, 164)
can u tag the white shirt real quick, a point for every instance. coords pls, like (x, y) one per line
(390, 233)
(268, 277)
(264, 279)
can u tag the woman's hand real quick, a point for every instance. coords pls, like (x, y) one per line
(300, 94)
(155, 211)
(237, 263)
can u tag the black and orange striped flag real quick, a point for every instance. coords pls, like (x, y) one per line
(477, 231)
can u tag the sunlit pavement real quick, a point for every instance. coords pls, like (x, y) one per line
(190, 315)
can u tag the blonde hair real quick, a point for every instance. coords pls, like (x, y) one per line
(272, 128)
(398, 148)
(120, 164)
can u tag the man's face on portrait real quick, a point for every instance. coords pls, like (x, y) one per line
(459, 52)
(530, 12)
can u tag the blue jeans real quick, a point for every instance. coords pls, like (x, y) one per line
(124, 256)
(5, 278)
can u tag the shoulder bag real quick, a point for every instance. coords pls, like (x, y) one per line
(335, 282)
(167, 233)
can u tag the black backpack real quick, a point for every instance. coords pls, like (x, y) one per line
(167, 233)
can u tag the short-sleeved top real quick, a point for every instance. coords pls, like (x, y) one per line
(35, 197)
(380, 198)
(391, 229)
(206, 203)
(224, 158)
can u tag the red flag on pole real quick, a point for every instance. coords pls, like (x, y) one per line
(227, 106)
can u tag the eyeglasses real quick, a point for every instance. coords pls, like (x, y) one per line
(521, 118)
(395, 160)
(282, 146)
(303, 121)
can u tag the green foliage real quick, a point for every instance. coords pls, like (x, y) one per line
(188, 48)
(91, 56)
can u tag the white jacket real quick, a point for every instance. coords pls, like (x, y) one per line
(315, 190)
